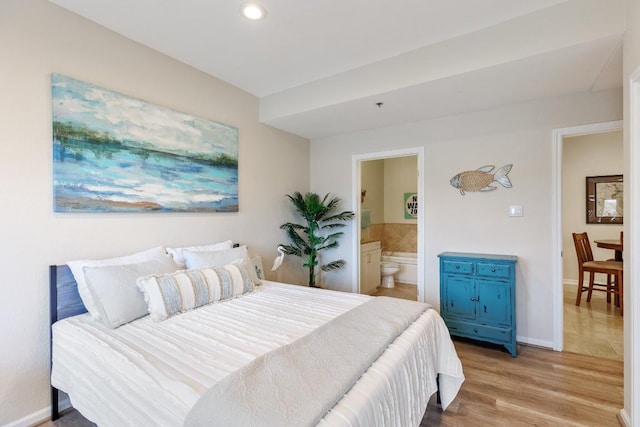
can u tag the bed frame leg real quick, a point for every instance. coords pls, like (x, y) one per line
(53, 317)
(55, 414)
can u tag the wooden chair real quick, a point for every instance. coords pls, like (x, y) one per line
(609, 277)
(586, 264)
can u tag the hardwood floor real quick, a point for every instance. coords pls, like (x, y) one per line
(539, 387)
(71, 418)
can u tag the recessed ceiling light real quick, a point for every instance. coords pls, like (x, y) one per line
(253, 11)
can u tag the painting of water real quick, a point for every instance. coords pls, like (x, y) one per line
(115, 153)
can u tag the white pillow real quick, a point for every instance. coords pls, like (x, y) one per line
(170, 294)
(77, 266)
(257, 266)
(200, 259)
(115, 292)
(177, 253)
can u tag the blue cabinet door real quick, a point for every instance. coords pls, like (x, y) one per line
(459, 297)
(494, 302)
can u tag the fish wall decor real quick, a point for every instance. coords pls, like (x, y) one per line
(479, 179)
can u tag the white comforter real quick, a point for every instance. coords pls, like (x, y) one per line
(151, 374)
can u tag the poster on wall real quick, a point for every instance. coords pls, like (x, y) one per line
(410, 205)
(115, 153)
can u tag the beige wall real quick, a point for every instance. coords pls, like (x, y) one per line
(582, 156)
(386, 181)
(37, 39)
(400, 176)
(372, 179)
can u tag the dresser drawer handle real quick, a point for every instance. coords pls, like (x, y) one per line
(493, 270)
(475, 330)
(457, 267)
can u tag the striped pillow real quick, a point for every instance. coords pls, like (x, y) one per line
(169, 294)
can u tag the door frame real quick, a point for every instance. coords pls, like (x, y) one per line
(558, 138)
(630, 414)
(357, 188)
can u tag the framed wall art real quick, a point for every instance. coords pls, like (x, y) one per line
(410, 205)
(605, 199)
(115, 153)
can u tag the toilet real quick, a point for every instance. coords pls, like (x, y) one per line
(387, 271)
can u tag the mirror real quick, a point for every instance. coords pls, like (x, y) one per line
(605, 199)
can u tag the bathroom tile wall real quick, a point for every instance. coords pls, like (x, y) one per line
(376, 231)
(399, 237)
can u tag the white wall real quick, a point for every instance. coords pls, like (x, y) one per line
(38, 38)
(582, 156)
(477, 222)
(400, 176)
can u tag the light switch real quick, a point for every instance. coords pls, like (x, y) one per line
(515, 210)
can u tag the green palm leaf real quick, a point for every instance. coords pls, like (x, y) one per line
(309, 238)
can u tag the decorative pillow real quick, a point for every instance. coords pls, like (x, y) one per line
(115, 292)
(178, 257)
(158, 253)
(170, 294)
(257, 266)
(199, 259)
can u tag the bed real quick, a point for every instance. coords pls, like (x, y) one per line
(159, 373)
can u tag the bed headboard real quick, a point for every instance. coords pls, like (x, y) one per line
(63, 293)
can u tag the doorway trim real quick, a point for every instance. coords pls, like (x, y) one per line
(357, 187)
(631, 411)
(556, 203)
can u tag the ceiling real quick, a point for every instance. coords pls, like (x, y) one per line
(320, 68)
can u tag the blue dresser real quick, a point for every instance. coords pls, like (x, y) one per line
(478, 295)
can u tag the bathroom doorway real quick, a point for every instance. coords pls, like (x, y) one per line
(388, 239)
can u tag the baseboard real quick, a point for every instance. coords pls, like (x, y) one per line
(535, 343)
(623, 418)
(38, 417)
(32, 419)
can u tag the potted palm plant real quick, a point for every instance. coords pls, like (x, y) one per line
(316, 234)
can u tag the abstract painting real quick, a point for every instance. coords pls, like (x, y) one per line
(115, 153)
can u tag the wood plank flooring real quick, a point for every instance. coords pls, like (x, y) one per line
(539, 387)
